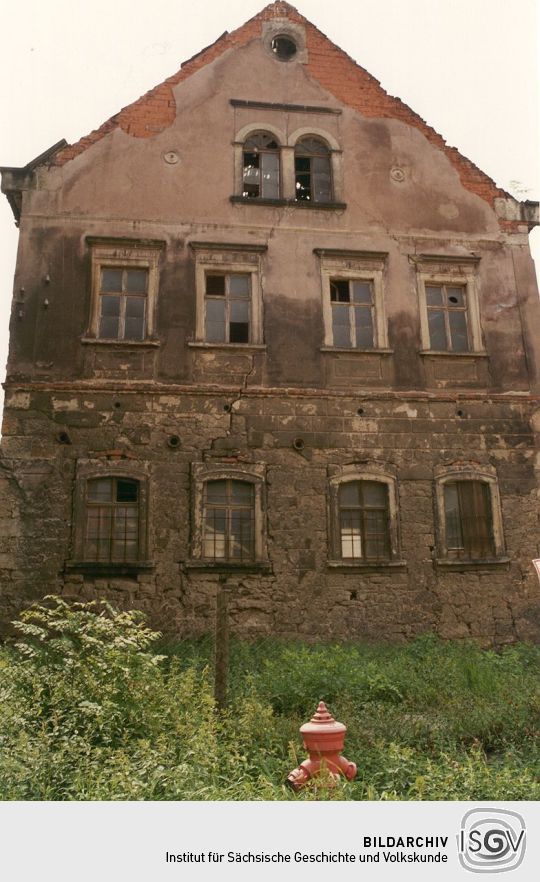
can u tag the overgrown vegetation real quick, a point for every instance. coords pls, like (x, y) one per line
(90, 709)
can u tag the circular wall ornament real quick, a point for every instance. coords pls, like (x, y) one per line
(397, 174)
(171, 157)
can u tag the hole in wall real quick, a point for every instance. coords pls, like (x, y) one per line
(117, 405)
(63, 438)
(460, 413)
(354, 595)
(227, 408)
(284, 47)
(298, 444)
(174, 441)
(360, 411)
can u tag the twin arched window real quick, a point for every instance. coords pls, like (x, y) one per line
(261, 169)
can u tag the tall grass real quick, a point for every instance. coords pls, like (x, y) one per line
(92, 706)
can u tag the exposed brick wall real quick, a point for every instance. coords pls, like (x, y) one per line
(329, 65)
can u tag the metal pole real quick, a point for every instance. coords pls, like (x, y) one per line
(221, 648)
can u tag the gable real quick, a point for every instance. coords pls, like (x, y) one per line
(330, 66)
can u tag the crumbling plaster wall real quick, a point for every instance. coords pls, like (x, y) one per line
(130, 400)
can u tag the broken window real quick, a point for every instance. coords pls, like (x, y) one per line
(228, 307)
(468, 519)
(447, 318)
(261, 167)
(284, 47)
(229, 521)
(122, 303)
(111, 533)
(313, 174)
(353, 324)
(363, 516)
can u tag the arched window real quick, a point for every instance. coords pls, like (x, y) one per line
(261, 167)
(229, 521)
(313, 172)
(111, 531)
(363, 514)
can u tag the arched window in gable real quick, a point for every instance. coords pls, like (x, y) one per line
(260, 176)
(313, 171)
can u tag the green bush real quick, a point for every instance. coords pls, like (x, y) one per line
(89, 709)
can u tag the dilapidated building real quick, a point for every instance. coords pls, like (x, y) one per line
(269, 328)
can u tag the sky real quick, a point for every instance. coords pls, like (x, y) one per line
(468, 67)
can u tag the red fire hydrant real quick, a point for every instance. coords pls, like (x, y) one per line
(323, 739)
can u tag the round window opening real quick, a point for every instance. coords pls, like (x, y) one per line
(284, 47)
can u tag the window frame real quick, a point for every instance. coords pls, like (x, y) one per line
(110, 467)
(362, 266)
(340, 475)
(312, 156)
(274, 151)
(124, 254)
(450, 271)
(228, 259)
(254, 474)
(456, 474)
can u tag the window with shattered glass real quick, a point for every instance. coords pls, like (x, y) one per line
(261, 167)
(313, 173)
(447, 318)
(228, 308)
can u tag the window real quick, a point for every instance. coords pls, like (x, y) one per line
(449, 310)
(468, 520)
(362, 511)
(352, 313)
(353, 303)
(110, 516)
(227, 307)
(469, 514)
(124, 289)
(229, 521)
(229, 303)
(363, 521)
(123, 296)
(312, 167)
(112, 520)
(260, 173)
(228, 524)
(447, 318)
(284, 47)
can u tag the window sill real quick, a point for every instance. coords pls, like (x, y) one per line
(209, 566)
(449, 354)
(487, 564)
(104, 568)
(288, 203)
(348, 351)
(243, 347)
(138, 343)
(366, 566)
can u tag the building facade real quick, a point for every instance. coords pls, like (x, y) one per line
(269, 330)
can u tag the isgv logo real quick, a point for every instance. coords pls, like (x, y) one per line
(491, 840)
